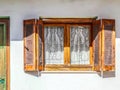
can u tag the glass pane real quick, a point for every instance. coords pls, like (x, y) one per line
(54, 38)
(79, 45)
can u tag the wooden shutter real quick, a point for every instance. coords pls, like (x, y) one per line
(29, 45)
(39, 43)
(108, 44)
(97, 44)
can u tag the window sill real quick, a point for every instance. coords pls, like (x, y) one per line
(70, 72)
(68, 68)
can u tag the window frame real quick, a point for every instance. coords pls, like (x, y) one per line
(6, 22)
(66, 23)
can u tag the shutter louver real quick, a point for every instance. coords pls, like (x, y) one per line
(97, 44)
(29, 45)
(108, 44)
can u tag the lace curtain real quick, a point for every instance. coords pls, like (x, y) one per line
(79, 45)
(54, 47)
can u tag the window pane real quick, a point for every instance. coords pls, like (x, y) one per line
(79, 45)
(54, 47)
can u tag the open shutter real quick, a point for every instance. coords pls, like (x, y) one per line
(29, 45)
(108, 44)
(39, 43)
(97, 44)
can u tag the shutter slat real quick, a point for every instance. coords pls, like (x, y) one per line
(29, 45)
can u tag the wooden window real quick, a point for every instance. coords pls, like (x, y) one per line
(67, 45)
(4, 53)
(63, 44)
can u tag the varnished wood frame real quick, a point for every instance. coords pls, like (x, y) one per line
(65, 21)
(6, 21)
(112, 66)
(34, 66)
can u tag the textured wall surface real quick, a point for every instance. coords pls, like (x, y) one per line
(18, 10)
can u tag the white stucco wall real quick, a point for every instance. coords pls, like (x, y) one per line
(18, 10)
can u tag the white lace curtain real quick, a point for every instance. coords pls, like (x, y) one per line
(54, 47)
(79, 45)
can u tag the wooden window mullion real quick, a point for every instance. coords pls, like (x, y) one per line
(90, 45)
(65, 46)
(68, 44)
